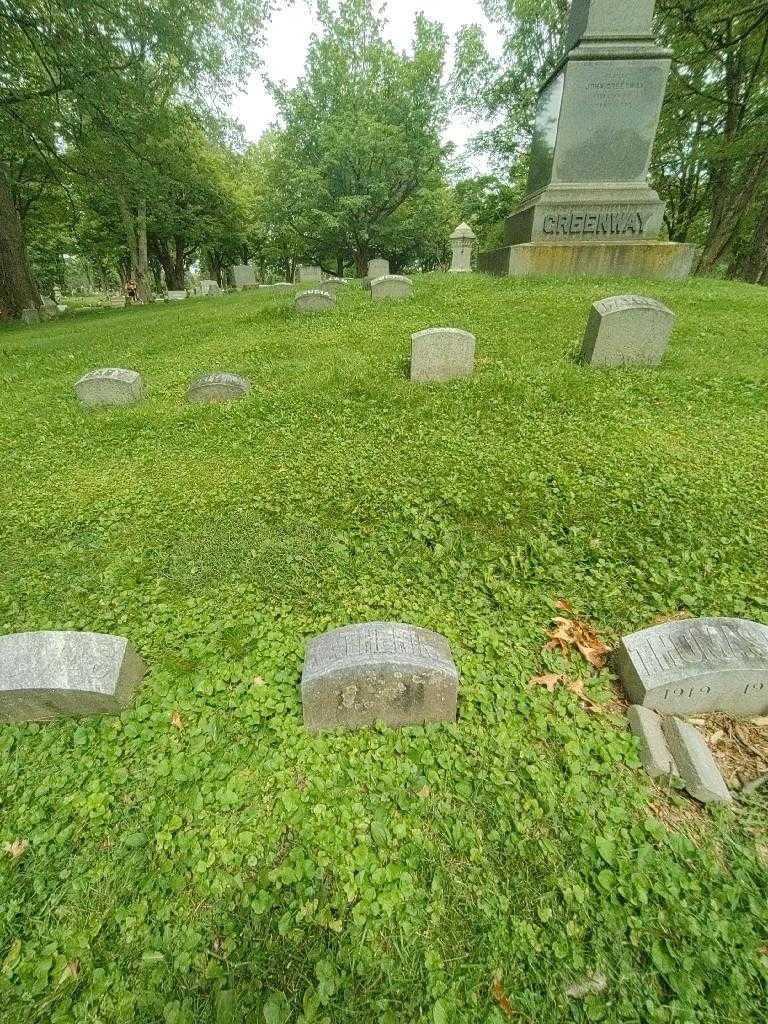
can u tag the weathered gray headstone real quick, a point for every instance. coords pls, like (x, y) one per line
(117, 301)
(462, 240)
(654, 752)
(442, 354)
(49, 310)
(209, 287)
(218, 387)
(694, 666)
(627, 330)
(314, 301)
(334, 284)
(309, 275)
(378, 672)
(110, 386)
(50, 674)
(377, 268)
(391, 286)
(30, 316)
(243, 276)
(695, 762)
(177, 295)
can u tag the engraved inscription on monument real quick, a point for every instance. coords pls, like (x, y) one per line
(696, 666)
(378, 671)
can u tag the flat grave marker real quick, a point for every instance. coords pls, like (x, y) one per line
(696, 666)
(314, 301)
(53, 674)
(378, 671)
(218, 387)
(391, 286)
(110, 386)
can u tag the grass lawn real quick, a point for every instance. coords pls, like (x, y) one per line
(201, 858)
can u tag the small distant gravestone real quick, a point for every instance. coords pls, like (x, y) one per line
(442, 354)
(49, 310)
(314, 301)
(627, 330)
(177, 295)
(309, 275)
(462, 240)
(334, 284)
(30, 316)
(391, 286)
(208, 287)
(117, 301)
(51, 674)
(694, 666)
(243, 276)
(377, 268)
(110, 386)
(378, 672)
(218, 387)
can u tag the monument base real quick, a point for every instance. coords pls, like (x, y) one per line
(672, 261)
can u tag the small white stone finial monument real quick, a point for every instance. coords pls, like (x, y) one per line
(462, 240)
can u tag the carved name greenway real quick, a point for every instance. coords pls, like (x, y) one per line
(606, 222)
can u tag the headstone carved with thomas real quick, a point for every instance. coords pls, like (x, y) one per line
(697, 666)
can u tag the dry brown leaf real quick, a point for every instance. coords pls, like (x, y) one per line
(576, 687)
(549, 682)
(73, 968)
(177, 721)
(258, 681)
(500, 997)
(569, 633)
(563, 606)
(17, 848)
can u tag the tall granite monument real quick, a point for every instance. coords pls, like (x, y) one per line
(589, 208)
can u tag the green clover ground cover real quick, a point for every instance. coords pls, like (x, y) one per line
(201, 858)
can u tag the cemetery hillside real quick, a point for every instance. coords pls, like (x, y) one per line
(203, 850)
(383, 490)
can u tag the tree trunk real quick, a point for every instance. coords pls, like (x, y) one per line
(723, 231)
(754, 266)
(135, 225)
(178, 262)
(18, 289)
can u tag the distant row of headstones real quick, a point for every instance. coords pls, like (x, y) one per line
(400, 674)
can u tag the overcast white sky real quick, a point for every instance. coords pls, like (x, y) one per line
(288, 38)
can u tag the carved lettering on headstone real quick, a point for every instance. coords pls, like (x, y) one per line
(51, 674)
(697, 665)
(627, 330)
(378, 671)
(110, 386)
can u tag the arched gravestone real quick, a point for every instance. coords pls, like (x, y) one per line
(110, 386)
(218, 387)
(51, 674)
(376, 269)
(627, 330)
(314, 301)
(177, 295)
(695, 666)
(378, 672)
(442, 354)
(391, 286)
